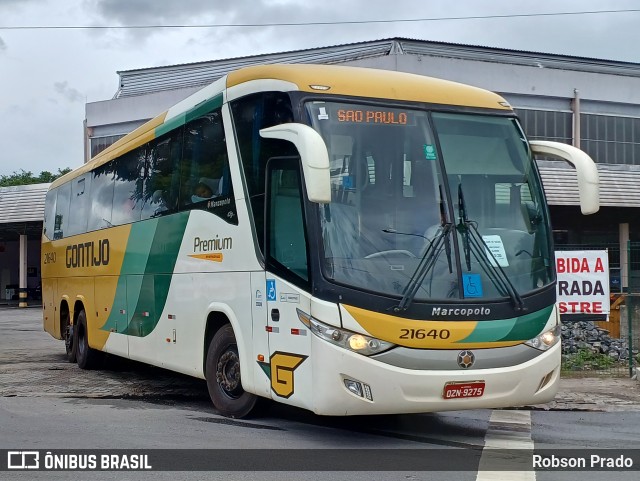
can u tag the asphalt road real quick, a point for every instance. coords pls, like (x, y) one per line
(47, 403)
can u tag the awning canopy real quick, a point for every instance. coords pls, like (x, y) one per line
(618, 184)
(22, 211)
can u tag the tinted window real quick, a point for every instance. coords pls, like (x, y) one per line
(80, 204)
(250, 114)
(287, 242)
(162, 185)
(50, 213)
(62, 211)
(205, 181)
(101, 197)
(128, 190)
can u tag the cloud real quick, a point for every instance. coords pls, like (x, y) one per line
(199, 12)
(71, 94)
(17, 3)
(144, 12)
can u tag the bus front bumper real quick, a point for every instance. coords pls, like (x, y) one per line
(386, 389)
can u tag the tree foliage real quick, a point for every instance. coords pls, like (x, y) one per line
(24, 177)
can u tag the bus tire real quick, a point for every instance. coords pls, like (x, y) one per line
(87, 357)
(69, 340)
(223, 376)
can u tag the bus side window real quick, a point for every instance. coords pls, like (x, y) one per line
(80, 204)
(127, 195)
(101, 197)
(250, 114)
(204, 172)
(286, 234)
(162, 180)
(61, 222)
(50, 213)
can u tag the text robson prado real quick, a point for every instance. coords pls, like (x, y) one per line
(593, 461)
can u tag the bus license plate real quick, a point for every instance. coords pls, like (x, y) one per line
(455, 390)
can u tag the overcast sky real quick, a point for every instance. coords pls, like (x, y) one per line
(47, 75)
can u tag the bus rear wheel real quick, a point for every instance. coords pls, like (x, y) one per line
(87, 357)
(69, 340)
(223, 376)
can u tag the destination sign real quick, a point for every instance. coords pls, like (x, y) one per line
(366, 116)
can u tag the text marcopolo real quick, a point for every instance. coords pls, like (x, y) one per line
(457, 311)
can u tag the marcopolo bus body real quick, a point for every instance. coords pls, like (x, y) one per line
(349, 241)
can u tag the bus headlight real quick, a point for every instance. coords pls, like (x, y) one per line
(352, 341)
(546, 340)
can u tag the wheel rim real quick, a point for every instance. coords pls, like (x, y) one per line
(228, 374)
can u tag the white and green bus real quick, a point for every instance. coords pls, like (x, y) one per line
(345, 240)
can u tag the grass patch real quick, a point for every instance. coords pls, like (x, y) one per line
(587, 360)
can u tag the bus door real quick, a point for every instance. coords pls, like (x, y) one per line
(286, 285)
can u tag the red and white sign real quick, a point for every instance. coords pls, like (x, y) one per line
(583, 282)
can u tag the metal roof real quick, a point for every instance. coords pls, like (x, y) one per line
(22, 203)
(155, 79)
(618, 184)
(149, 80)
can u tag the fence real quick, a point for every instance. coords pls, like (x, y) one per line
(608, 348)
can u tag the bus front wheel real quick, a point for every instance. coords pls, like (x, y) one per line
(223, 376)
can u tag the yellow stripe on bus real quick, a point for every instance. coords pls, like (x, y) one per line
(213, 256)
(423, 334)
(138, 137)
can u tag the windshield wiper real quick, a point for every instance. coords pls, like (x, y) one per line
(444, 220)
(473, 242)
(462, 227)
(426, 263)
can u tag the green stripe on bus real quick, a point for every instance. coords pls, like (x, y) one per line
(202, 108)
(529, 326)
(520, 328)
(490, 331)
(136, 256)
(143, 286)
(134, 264)
(154, 289)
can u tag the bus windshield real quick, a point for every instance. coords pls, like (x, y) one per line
(431, 205)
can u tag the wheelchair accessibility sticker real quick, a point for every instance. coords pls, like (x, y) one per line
(472, 285)
(271, 290)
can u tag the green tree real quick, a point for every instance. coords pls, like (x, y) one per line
(24, 177)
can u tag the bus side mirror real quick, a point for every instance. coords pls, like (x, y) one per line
(588, 180)
(314, 156)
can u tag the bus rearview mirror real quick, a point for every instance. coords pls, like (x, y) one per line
(588, 179)
(314, 156)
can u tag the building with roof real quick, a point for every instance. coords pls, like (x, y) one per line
(591, 103)
(21, 214)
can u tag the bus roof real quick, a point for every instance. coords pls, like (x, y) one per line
(319, 79)
(374, 83)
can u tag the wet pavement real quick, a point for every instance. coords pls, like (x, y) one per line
(596, 394)
(33, 364)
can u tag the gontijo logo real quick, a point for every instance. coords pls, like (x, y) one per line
(87, 254)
